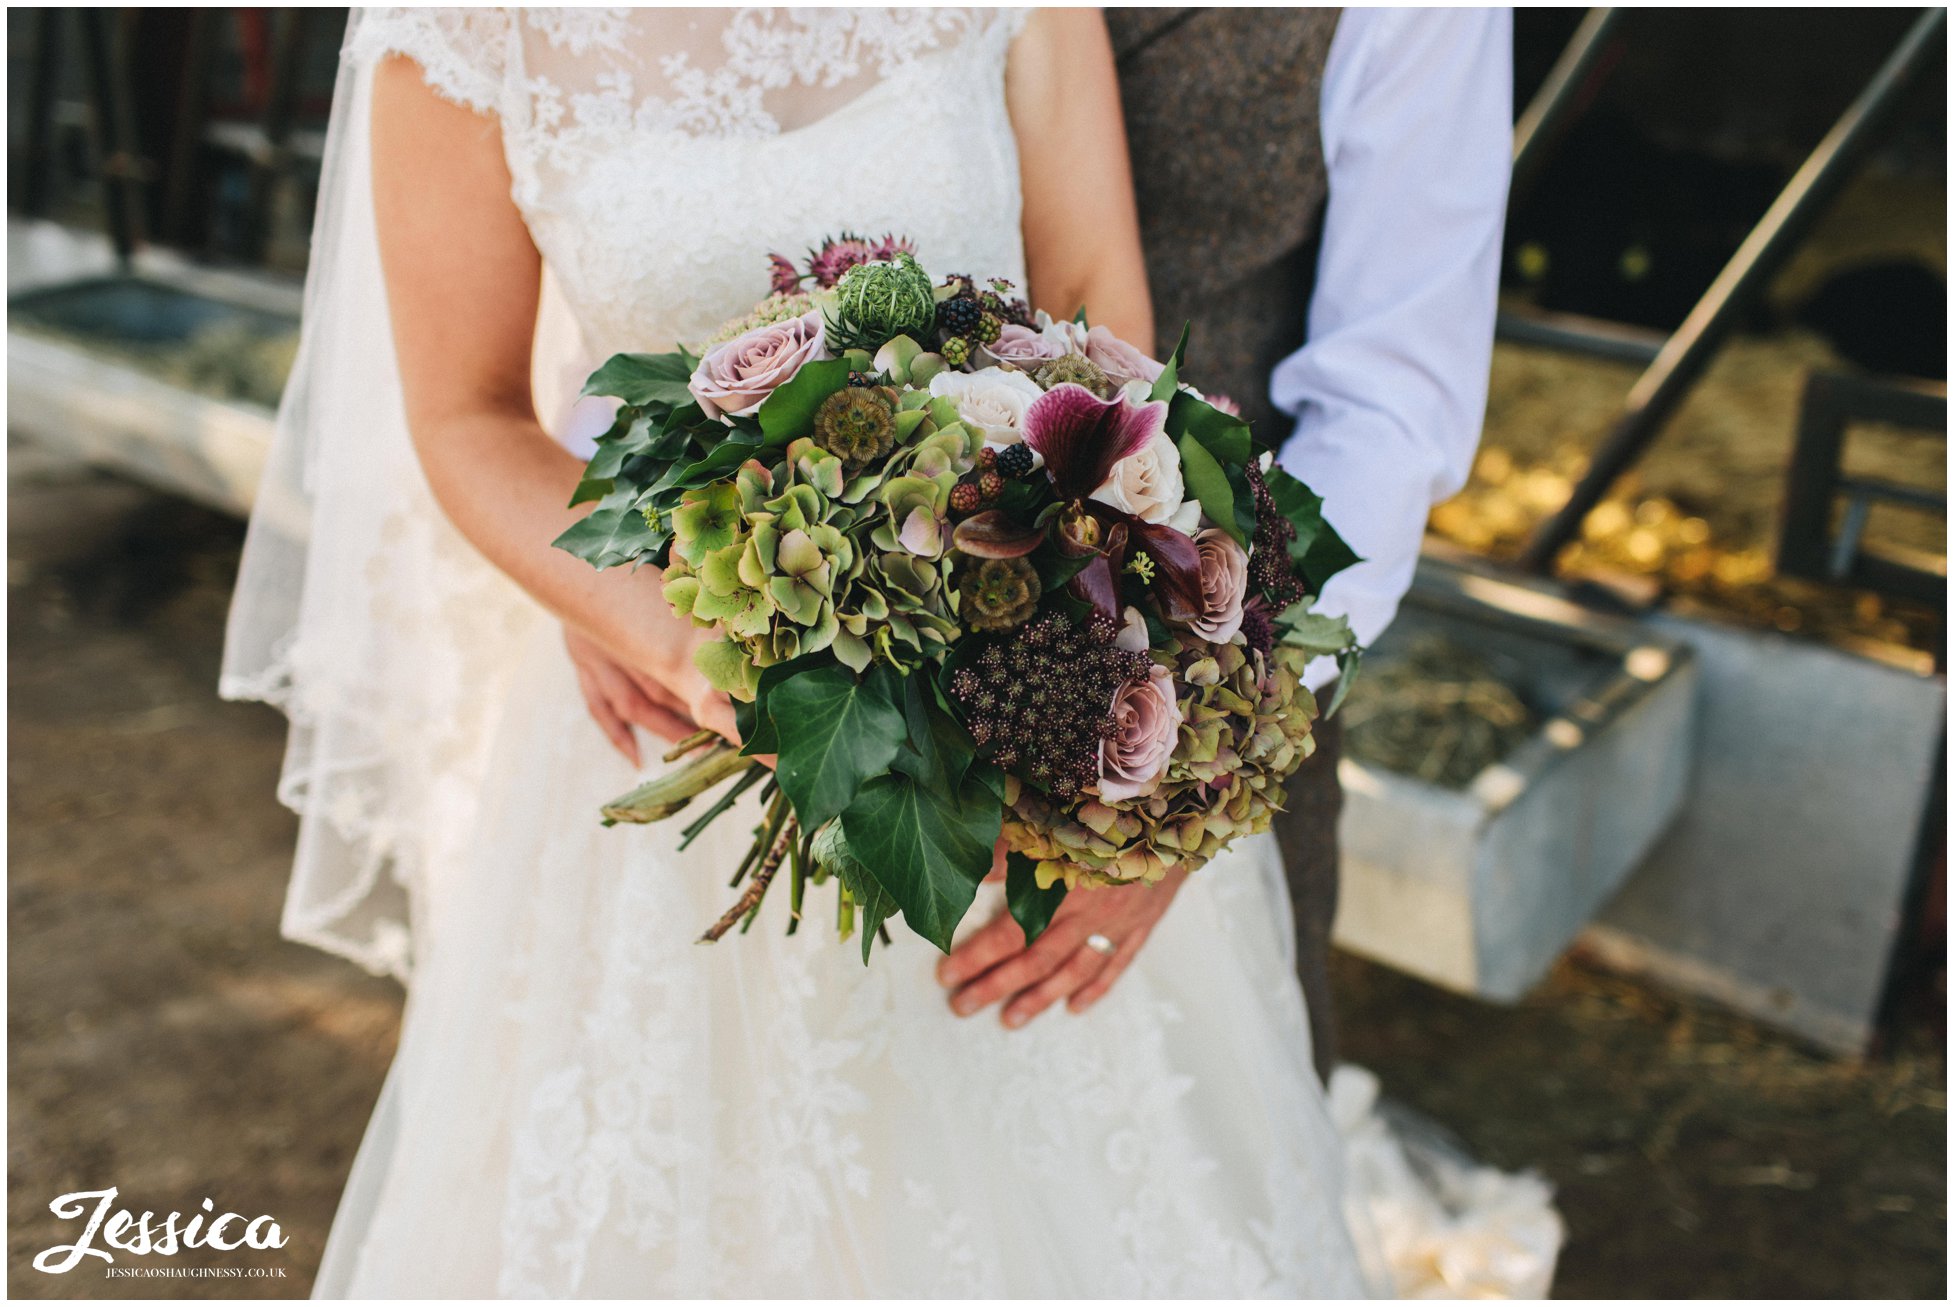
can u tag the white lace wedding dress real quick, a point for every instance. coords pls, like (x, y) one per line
(585, 1102)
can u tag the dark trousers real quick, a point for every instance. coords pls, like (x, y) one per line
(1307, 833)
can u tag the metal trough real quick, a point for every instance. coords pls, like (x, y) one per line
(1480, 890)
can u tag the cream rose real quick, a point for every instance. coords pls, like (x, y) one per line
(1119, 360)
(1147, 484)
(1224, 585)
(735, 378)
(1146, 726)
(991, 402)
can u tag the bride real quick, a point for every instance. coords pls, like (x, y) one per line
(585, 1103)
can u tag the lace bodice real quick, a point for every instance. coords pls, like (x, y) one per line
(659, 155)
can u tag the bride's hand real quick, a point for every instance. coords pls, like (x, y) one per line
(995, 964)
(620, 698)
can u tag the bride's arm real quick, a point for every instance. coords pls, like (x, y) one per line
(462, 280)
(1081, 232)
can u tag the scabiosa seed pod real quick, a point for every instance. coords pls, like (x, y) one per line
(1077, 369)
(857, 424)
(997, 593)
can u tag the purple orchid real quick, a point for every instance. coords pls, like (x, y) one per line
(1081, 438)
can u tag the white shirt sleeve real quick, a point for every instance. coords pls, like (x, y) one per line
(1390, 392)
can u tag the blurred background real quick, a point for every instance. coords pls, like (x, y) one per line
(1645, 831)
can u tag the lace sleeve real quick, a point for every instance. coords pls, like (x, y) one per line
(462, 52)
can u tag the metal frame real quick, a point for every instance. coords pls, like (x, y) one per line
(1662, 388)
(1807, 544)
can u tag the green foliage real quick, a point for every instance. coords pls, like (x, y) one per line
(836, 732)
(789, 411)
(927, 828)
(642, 380)
(1031, 907)
(1167, 384)
(1215, 449)
(832, 850)
(614, 532)
(1318, 551)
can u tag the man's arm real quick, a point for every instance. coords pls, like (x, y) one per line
(1390, 392)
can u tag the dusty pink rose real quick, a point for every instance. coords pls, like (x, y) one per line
(1119, 360)
(1224, 584)
(1146, 724)
(733, 379)
(1022, 347)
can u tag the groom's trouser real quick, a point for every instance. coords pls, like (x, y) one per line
(1307, 833)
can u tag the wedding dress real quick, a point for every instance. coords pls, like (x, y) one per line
(585, 1102)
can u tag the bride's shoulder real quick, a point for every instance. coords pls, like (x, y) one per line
(463, 52)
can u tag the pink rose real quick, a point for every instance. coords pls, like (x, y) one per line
(1147, 723)
(1025, 348)
(733, 379)
(1119, 360)
(1224, 584)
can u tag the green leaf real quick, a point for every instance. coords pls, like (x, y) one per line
(614, 532)
(1031, 907)
(1347, 664)
(1167, 384)
(836, 732)
(929, 849)
(717, 461)
(1318, 551)
(754, 720)
(641, 379)
(1225, 436)
(1210, 484)
(789, 411)
(1317, 634)
(832, 850)
(938, 751)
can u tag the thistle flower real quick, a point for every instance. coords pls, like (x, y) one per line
(785, 280)
(857, 425)
(997, 593)
(836, 256)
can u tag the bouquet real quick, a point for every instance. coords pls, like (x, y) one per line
(975, 573)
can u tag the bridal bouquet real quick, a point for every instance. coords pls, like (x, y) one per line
(974, 573)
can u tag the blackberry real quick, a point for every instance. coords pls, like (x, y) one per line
(986, 459)
(959, 317)
(990, 485)
(956, 351)
(1014, 461)
(989, 327)
(965, 497)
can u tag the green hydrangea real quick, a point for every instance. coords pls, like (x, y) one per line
(1246, 729)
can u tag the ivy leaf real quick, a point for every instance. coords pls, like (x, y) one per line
(929, 849)
(835, 733)
(1031, 907)
(1167, 384)
(832, 850)
(755, 720)
(789, 411)
(614, 532)
(1316, 634)
(1210, 485)
(642, 379)
(938, 751)
(722, 458)
(1318, 551)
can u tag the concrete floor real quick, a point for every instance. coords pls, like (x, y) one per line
(165, 1041)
